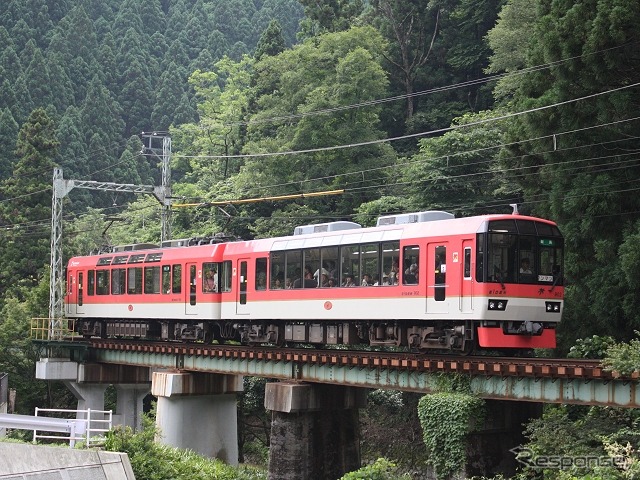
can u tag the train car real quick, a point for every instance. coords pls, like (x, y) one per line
(425, 281)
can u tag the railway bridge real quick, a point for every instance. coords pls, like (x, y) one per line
(315, 395)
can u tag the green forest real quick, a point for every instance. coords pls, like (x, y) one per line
(466, 106)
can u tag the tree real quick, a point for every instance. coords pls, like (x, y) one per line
(8, 134)
(329, 16)
(584, 178)
(413, 28)
(25, 211)
(458, 171)
(271, 41)
(509, 45)
(18, 354)
(323, 75)
(38, 81)
(136, 95)
(171, 91)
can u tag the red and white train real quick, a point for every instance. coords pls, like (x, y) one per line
(426, 281)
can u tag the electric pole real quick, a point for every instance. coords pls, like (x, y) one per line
(159, 144)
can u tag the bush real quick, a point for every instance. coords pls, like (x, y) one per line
(446, 419)
(153, 461)
(382, 469)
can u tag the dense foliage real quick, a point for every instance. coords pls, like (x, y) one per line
(459, 105)
(153, 461)
(447, 417)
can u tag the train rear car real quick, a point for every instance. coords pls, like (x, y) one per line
(148, 292)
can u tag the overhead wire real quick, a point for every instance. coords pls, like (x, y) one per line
(445, 88)
(462, 84)
(414, 135)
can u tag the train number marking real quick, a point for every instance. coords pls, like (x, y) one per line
(411, 293)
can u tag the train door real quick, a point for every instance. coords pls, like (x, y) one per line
(242, 306)
(80, 302)
(436, 277)
(70, 296)
(466, 288)
(190, 303)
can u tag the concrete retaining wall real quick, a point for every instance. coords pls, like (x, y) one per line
(35, 462)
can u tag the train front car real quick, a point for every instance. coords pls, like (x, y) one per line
(426, 281)
(519, 282)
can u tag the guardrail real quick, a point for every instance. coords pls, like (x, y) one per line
(52, 328)
(91, 429)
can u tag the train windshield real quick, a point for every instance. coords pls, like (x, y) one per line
(520, 251)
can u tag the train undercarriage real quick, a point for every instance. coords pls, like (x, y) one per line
(439, 336)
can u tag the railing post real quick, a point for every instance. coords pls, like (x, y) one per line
(35, 431)
(87, 433)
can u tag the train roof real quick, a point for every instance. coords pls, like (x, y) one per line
(426, 225)
(434, 226)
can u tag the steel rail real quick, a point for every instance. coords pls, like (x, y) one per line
(566, 368)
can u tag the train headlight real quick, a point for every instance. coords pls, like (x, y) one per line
(497, 304)
(552, 307)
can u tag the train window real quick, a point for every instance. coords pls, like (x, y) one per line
(311, 266)
(80, 288)
(546, 230)
(502, 226)
(327, 276)
(526, 227)
(104, 261)
(166, 279)
(410, 262)
(390, 255)
(480, 272)
(277, 277)
(370, 264)
(294, 268)
(467, 262)
(210, 277)
(137, 258)
(153, 257)
(243, 283)
(176, 285)
(550, 261)
(261, 273)
(118, 281)
(503, 264)
(350, 266)
(134, 282)
(526, 269)
(91, 282)
(102, 284)
(120, 260)
(440, 276)
(152, 280)
(192, 284)
(226, 272)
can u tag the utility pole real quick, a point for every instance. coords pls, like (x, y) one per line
(61, 189)
(159, 144)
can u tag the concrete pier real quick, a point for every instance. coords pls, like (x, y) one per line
(315, 430)
(488, 449)
(198, 411)
(88, 383)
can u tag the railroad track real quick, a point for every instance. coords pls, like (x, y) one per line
(566, 368)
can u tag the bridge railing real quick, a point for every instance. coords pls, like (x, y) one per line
(52, 329)
(91, 427)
